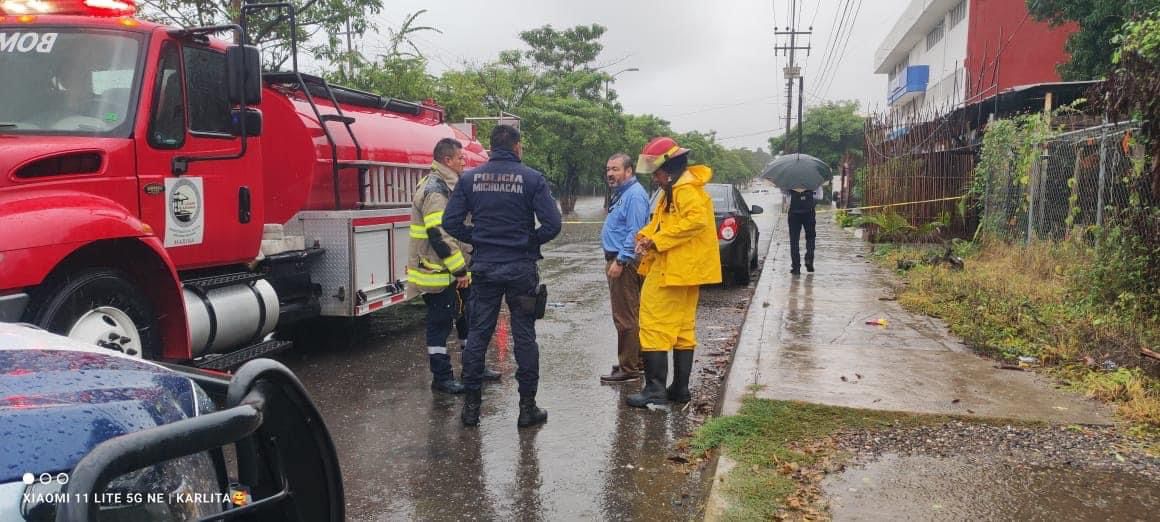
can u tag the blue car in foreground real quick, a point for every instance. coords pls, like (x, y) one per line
(92, 434)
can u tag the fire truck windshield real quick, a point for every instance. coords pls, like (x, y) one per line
(68, 81)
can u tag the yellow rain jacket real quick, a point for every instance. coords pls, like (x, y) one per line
(686, 238)
(435, 257)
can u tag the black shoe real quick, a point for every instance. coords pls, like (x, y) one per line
(619, 375)
(656, 373)
(530, 415)
(795, 270)
(491, 375)
(682, 367)
(810, 267)
(451, 386)
(472, 400)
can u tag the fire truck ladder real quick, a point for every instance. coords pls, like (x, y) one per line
(303, 82)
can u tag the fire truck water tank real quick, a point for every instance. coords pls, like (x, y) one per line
(231, 316)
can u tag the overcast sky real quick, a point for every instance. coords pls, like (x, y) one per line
(703, 66)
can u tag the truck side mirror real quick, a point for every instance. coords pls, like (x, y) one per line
(244, 75)
(756, 209)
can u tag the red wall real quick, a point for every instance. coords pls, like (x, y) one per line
(1027, 50)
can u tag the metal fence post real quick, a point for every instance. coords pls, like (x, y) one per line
(1032, 192)
(1103, 173)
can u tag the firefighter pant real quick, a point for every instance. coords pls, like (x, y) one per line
(797, 221)
(515, 283)
(668, 316)
(442, 310)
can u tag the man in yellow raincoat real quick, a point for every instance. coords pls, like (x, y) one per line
(679, 253)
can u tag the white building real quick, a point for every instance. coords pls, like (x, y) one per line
(924, 56)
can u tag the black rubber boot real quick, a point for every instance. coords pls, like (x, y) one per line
(682, 367)
(530, 415)
(491, 375)
(656, 373)
(471, 403)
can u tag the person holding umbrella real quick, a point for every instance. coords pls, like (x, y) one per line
(800, 178)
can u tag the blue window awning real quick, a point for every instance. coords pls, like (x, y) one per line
(908, 84)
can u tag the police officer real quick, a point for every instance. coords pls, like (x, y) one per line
(437, 267)
(504, 198)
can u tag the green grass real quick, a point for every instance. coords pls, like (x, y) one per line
(1013, 301)
(772, 440)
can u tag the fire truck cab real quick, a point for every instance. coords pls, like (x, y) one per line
(161, 197)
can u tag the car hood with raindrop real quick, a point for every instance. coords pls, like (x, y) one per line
(60, 398)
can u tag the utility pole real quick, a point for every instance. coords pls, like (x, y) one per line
(791, 71)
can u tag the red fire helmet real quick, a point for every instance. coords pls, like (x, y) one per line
(656, 153)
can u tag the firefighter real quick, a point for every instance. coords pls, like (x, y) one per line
(504, 198)
(437, 268)
(679, 252)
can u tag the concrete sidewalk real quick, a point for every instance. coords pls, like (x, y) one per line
(806, 338)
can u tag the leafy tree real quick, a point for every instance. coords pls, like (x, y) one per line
(1099, 21)
(829, 131)
(321, 21)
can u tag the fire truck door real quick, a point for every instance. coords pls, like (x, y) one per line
(211, 214)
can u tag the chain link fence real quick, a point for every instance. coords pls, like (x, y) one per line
(1087, 178)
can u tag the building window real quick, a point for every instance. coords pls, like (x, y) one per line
(935, 36)
(958, 13)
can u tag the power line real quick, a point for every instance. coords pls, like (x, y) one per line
(835, 37)
(845, 45)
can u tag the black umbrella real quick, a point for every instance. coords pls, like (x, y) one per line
(797, 171)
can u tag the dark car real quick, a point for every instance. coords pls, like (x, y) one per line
(736, 232)
(92, 434)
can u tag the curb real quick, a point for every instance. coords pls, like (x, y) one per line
(716, 504)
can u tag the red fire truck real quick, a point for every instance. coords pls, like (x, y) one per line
(162, 197)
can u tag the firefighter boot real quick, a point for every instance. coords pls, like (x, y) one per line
(682, 367)
(530, 415)
(442, 380)
(473, 399)
(656, 373)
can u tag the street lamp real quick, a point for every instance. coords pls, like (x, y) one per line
(613, 77)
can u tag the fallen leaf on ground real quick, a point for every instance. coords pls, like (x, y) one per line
(844, 379)
(956, 401)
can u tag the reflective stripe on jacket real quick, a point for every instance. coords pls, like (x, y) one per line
(436, 258)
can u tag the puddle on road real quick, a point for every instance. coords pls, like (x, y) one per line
(897, 487)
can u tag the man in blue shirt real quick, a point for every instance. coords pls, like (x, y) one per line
(627, 213)
(504, 198)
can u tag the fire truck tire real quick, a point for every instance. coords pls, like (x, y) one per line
(101, 306)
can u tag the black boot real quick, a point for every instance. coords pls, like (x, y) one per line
(471, 402)
(491, 375)
(442, 380)
(682, 367)
(656, 373)
(530, 415)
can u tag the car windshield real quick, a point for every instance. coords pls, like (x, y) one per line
(62, 81)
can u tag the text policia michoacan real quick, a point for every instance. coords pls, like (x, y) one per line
(488, 182)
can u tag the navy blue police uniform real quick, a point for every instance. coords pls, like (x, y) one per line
(504, 198)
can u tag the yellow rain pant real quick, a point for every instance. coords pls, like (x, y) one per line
(668, 316)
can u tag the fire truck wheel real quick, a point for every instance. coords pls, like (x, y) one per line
(100, 306)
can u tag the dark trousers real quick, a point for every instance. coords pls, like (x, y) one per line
(516, 283)
(442, 311)
(624, 293)
(796, 222)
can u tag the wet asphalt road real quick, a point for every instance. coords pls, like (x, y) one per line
(405, 456)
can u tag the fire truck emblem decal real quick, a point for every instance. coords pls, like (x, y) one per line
(184, 216)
